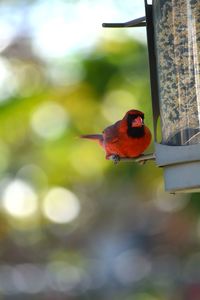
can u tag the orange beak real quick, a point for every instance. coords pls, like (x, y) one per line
(137, 122)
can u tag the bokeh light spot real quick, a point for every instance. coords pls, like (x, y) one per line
(116, 103)
(131, 266)
(61, 205)
(29, 278)
(8, 82)
(7, 285)
(64, 277)
(169, 202)
(70, 73)
(19, 199)
(49, 121)
(33, 175)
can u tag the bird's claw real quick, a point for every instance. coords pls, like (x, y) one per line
(115, 158)
(143, 158)
(140, 161)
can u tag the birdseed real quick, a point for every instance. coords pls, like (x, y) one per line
(177, 43)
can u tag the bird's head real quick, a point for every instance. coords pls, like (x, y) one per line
(135, 118)
(135, 123)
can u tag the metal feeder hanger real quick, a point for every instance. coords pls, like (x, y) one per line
(174, 64)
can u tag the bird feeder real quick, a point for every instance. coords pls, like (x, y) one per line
(173, 36)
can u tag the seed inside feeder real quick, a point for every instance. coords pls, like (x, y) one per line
(177, 38)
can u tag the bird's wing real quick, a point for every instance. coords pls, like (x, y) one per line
(111, 133)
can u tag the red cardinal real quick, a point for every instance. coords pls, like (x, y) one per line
(128, 137)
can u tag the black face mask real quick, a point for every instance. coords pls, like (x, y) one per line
(135, 132)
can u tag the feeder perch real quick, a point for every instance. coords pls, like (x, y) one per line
(173, 38)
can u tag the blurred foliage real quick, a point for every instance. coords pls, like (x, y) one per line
(73, 225)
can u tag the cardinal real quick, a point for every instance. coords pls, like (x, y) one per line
(127, 138)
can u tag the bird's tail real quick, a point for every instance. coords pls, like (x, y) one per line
(96, 137)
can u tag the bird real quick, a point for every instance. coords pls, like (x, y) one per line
(127, 138)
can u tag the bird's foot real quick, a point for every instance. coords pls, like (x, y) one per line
(143, 158)
(115, 158)
(141, 161)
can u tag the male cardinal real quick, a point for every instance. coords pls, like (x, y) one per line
(128, 137)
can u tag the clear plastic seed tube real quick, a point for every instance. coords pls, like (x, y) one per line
(177, 43)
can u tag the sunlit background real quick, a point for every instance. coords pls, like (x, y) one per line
(73, 225)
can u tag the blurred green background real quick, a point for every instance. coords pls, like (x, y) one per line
(73, 225)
